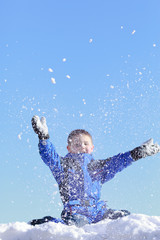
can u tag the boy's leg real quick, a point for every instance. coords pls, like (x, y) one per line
(44, 220)
(114, 214)
(78, 220)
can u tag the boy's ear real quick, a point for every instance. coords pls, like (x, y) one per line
(68, 148)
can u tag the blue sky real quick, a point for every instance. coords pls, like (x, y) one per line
(105, 57)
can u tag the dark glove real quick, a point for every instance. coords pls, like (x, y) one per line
(146, 149)
(40, 127)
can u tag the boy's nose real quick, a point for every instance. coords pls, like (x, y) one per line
(83, 148)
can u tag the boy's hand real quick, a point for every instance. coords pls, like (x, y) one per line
(40, 127)
(146, 149)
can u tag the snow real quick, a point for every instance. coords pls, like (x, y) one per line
(20, 136)
(133, 32)
(50, 70)
(68, 76)
(133, 227)
(53, 80)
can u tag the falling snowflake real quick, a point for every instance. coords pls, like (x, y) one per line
(55, 193)
(90, 40)
(50, 69)
(112, 86)
(68, 76)
(54, 96)
(133, 32)
(84, 101)
(64, 59)
(53, 80)
(20, 136)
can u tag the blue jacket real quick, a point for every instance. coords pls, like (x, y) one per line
(80, 177)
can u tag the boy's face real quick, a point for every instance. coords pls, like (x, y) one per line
(81, 144)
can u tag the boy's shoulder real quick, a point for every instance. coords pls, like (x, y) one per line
(97, 164)
(75, 159)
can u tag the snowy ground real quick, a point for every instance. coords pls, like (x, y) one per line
(133, 227)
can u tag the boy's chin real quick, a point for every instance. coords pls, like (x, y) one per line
(80, 152)
(86, 152)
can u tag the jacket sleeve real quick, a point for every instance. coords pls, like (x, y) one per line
(51, 158)
(105, 170)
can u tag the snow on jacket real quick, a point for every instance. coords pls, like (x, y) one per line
(79, 176)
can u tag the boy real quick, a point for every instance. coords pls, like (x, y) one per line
(80, 177)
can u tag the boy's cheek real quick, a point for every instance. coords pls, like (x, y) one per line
(88, 150)
(91, 149)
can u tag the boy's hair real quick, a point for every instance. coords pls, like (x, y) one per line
(76, 133)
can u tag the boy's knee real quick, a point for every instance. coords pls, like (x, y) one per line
(77, 220)
(115, 214)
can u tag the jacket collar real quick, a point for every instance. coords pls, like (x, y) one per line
(80, 157)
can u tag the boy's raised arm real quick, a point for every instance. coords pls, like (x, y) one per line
(40, 127)
(104, 170)
(146, 149)
(46, 148)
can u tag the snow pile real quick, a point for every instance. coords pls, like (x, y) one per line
(133, 227)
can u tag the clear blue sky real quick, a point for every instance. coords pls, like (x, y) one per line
(105, 57)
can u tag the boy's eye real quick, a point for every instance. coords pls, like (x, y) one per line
(77, 145)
